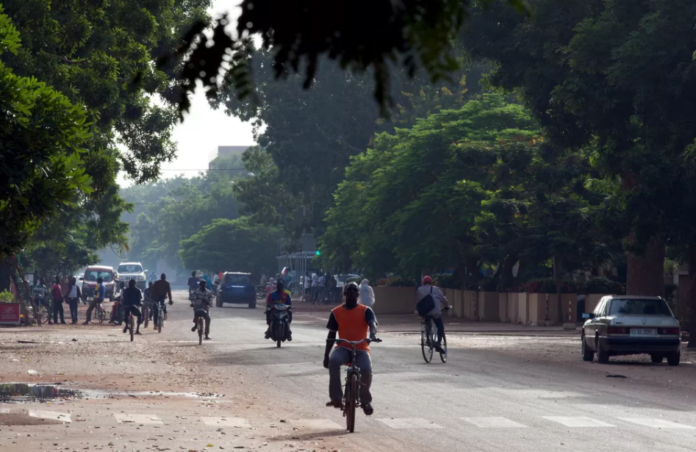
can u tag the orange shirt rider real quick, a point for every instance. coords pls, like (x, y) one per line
(352, 324)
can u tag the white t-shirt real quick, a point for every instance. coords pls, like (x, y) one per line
(73, 292)
(437, 294)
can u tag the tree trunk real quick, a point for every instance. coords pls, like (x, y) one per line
(645, 274)
(6, 270)
(691, 297)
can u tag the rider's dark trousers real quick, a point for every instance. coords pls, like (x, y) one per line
(58, 309)
(340, 357)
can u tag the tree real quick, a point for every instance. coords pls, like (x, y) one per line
(235, 245)
(413, 199)
(311, 135)
(99, 55)
(617, 75)
(361, 36)
(42, 163)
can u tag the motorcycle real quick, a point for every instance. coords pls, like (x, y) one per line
(280, 323)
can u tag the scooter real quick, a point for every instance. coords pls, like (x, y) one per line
(280, 323)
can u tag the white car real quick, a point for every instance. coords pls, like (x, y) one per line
(132, 270)
(631, 325)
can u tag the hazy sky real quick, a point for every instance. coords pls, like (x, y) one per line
(204, 129)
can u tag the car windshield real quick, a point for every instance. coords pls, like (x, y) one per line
(237, 280)
(92, 275)
(130, 268)
(637, 306)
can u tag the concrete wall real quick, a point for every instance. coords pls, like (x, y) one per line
(394, 300)
(503, 315)
(488, 306)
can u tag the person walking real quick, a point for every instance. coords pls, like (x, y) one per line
(74, 296)
(367, 294)
(57, 295)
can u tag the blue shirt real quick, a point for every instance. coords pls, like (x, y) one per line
(101, 293)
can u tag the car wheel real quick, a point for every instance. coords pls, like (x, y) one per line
(656, 358)
(587, 354)
(673, 358)
(602, 354)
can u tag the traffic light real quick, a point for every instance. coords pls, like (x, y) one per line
(318, 253)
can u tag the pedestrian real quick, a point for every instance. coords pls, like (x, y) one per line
(57, 296)
(321, 283)
(367, 295)
(315, 286)
(74, 296)
(307, 286)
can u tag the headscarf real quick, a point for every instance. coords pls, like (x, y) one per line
(367, 295)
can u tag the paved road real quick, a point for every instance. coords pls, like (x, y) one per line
(478, 401)
(481, 400)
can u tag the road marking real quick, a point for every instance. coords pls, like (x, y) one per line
(144, 419)
(577, 422)
(656, 423)
(225, 422)
(51, 415)
(493, 422)
(409, 423)
(316, 424)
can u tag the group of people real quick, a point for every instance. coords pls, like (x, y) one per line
(61, 292)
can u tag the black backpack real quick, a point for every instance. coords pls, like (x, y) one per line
(426, 304)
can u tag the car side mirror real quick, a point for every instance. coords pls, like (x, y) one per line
(588, 315)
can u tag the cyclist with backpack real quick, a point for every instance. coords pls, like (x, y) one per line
(429, 303)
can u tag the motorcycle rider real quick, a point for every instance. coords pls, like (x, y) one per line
(352, 321)
(131, 298)
(202, 301)
(159, 292)
(148, 302)
(429, 302)
(280, 296)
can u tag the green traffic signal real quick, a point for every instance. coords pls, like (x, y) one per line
(318, 253)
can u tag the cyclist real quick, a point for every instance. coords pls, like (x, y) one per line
(147, 300)
(353, 322)
(131, 298)
(280, 296)
(429, 302)
(202, 301)
(159, 292)
(99, 294)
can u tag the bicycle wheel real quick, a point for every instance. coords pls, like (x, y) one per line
(351, 395)
(130, 325)
(160, 320)
(200, 331)
(101, 314)
(146, 316)
(443, 356)
(425, 343)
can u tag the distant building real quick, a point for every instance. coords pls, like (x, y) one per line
(226, 151)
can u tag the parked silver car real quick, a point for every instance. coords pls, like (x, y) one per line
(631, 325)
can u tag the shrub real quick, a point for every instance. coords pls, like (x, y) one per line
(401, 282)
(602, 285)
(6, 297)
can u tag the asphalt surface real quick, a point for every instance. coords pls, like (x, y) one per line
(478, 401)
(482, 399)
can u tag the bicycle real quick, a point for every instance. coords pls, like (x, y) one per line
(351, 394)
(200, 322)
(101, 313)
(130, 323)
(160, 316)
(147, 306)
(429, 340)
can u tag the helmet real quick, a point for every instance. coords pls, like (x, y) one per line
(427, 280)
